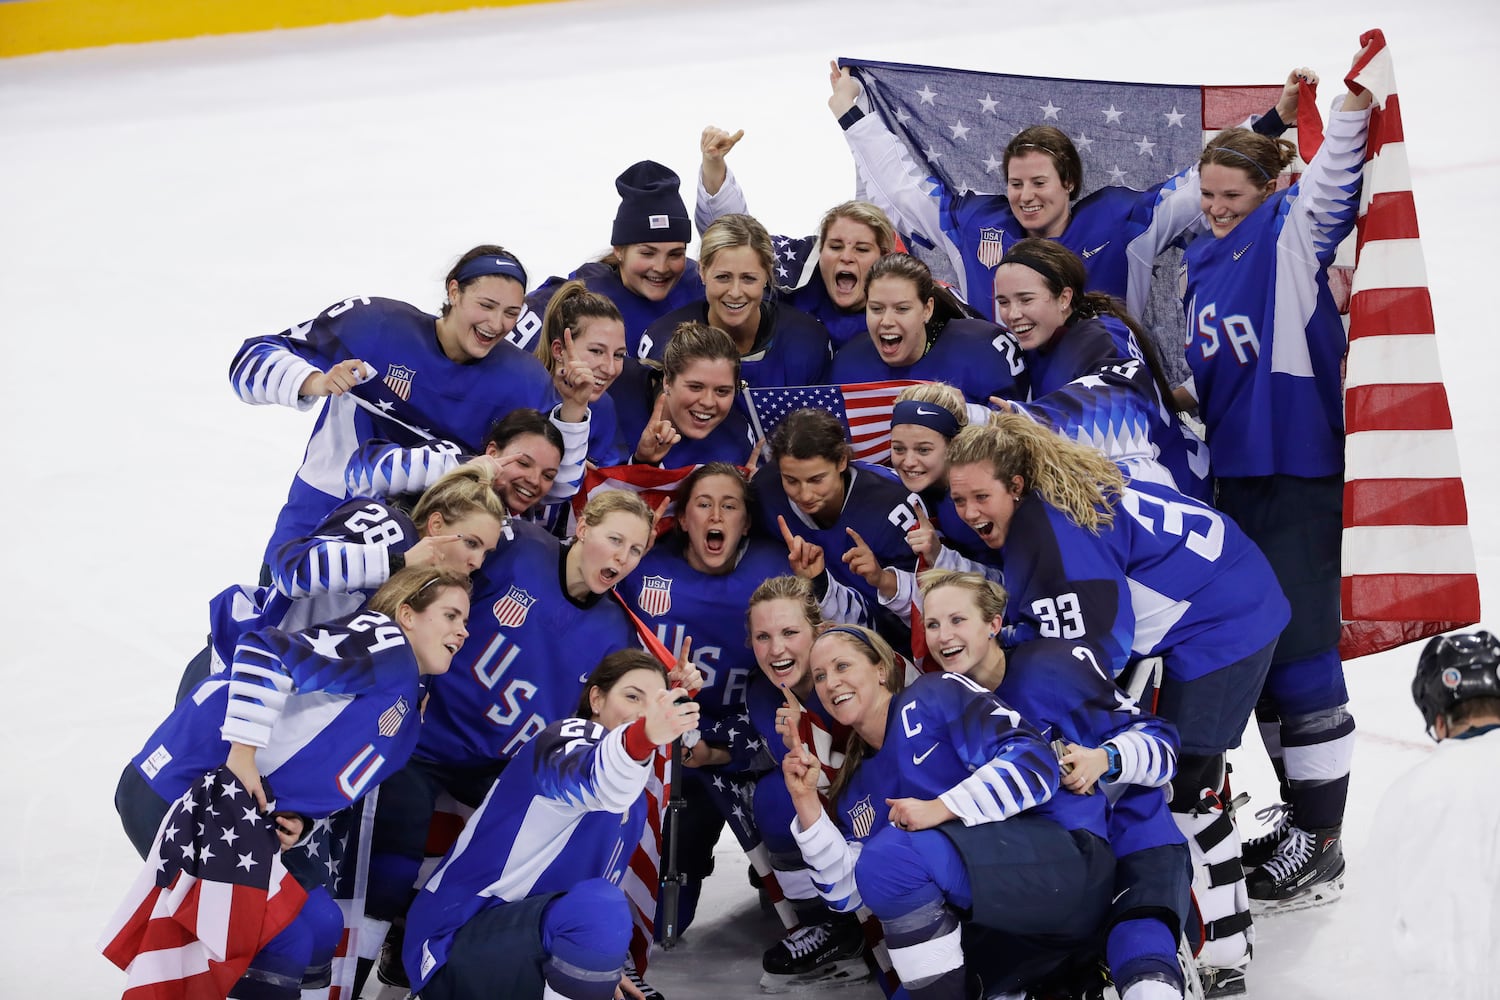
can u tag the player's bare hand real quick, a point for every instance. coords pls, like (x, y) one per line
(925, 540)
(574, 381)
(845, 89)
(860, 559)
(669, 714)
(800, 770)
(715, 145)
(658, 437)
(789, 720)
(337, 380)
(289, 828)
(439, 552)
(805, 558)
(241, 764)
(918, 814)
(686, 674)
(753, 462)
(1082, 767)
(628, 990)
(1291, 92)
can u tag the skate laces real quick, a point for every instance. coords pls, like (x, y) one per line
(1295, 851)
(806, 940)
(1276, 815)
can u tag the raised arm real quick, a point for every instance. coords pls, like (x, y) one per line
(893, 182)
(719, 193)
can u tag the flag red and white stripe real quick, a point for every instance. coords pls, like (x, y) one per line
(213, 891)
(864, 408)
(1408, 560)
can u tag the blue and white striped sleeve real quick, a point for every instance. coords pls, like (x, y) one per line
(1148, 753)
(575, 454)
(272, 369)
(730, 200)
(383, 469)
(581, 765)
(832, 860)
(1328, 192)
(1023, 775)
(901, 189)
(323, 564)
(258, 687)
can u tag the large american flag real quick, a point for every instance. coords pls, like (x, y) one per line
(862, 407)
(1408, 560)
(213, 891)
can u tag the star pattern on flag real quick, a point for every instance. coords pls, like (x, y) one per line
(1144, 132)
(204, 816)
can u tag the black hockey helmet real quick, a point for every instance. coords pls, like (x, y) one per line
(1455, 668)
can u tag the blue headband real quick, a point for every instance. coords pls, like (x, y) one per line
(1235, 152)
(928, 415)
(507, 267)
(863, 639)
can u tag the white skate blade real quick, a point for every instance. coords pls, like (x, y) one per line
(1319, 895)
(844, 973)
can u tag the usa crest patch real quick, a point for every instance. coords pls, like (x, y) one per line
(391, 718)
(991, 249)
(656, 595)
(510, 610)
(861, 817)
(399, 377)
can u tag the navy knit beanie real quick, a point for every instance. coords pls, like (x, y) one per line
(651, 208)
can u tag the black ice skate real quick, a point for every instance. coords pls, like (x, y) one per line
(1258, 850)
(826, 954)
(1219, 983)
(647, 990)
(390, 974)
(1306, 870)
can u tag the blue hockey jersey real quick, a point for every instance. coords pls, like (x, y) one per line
(317, 578)
(1264, 341)
(1092, 384)
(334, 710)
(530, 649)
(1171, 576)
(569, 807)
(974, 356)
(946, 738)
(417, 393)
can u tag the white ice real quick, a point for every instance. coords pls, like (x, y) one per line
(160, 203)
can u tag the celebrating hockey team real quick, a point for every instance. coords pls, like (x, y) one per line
(927, 569)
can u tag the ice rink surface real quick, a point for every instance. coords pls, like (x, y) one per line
(161, 203)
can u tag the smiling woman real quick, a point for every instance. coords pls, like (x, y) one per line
(384, 367)
(777, 344)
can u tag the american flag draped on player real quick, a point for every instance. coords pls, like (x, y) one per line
(1408, 566)
(213, 891)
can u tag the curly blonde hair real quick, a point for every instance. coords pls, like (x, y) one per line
(1075, 478)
